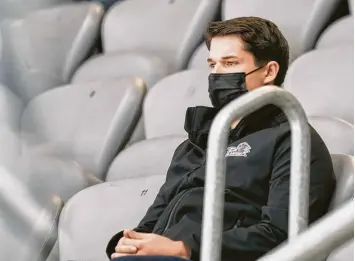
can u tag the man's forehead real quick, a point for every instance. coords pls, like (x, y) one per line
(226, 47)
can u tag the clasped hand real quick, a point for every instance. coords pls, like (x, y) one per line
(145, 244)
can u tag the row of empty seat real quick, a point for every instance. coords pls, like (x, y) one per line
(131, 47)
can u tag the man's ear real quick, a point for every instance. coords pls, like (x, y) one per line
(271, 71)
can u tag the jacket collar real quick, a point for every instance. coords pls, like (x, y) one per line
(198, 121)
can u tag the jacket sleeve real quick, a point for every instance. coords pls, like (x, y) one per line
(165, 194)
(249, 243)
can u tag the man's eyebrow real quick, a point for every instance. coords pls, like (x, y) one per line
(225, 58)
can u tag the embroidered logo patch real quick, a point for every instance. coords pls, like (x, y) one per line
(240, 151)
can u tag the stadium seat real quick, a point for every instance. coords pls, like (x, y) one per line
(76, 131)
(18, 8)
(11, 108)
(337, 134)
(199, 59)
(341, 32)
(28, 228)
(174, 40)
(165, 106)
(107, 208)
(111, 66)
(165, 35)
(323, 81)
(52, 175)
(300, 21)
(43, 49)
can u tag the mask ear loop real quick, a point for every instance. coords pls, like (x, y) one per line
(255, 70)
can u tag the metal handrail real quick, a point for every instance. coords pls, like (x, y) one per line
(317, 242)
(216, 164)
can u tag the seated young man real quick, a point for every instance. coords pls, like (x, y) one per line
(244, 54)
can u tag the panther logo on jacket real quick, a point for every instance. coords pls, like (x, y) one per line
(240, 151)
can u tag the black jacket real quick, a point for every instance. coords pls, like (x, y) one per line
(257, 185)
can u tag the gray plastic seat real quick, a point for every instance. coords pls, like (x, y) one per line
(44, 48)
(174, 39)
(337, 134)
(199, 59)
(18, 8)
(165, 106)
(76, 131)
(111, 66)
(115, 205)
(341, 32)
(28, 228)
(323, 87)
(300, 21)
(155, 43)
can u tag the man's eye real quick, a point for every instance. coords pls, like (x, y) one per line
(212, 65)
(231, 63)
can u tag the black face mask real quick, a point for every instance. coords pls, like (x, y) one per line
(225, 87)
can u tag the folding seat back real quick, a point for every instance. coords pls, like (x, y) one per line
(323, 81)
(28, 228)
(43, 49)
(344, 172)
(300, 21)
(165, 106)
(169, 29)
(107, 208)
(337, 134)
(339, 33)
(86, 123)
(111, 66)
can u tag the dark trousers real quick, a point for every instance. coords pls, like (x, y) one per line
(149, 258)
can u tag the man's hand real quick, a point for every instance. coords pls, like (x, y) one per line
(134, 243)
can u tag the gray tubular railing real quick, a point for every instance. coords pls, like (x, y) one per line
(320, 239)
(215, 171)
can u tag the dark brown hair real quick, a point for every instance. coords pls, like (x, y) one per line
(261, 37)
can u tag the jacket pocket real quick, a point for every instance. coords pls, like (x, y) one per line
(172, 212)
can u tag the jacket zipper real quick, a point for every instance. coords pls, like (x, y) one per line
(168, 222)
(239, 222)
